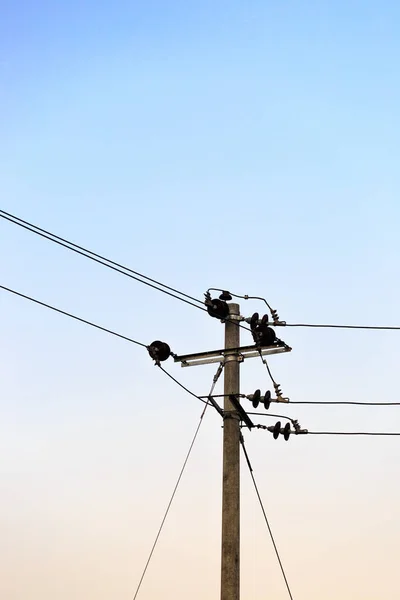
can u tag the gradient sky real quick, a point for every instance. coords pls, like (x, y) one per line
(252, 146)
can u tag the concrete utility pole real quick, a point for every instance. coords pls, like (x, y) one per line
(233, 414)
(230, 552)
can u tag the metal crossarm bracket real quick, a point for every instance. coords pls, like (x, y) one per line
(242, 413)
(203, 358)
(215, 405)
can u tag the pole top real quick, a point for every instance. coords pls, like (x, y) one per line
(234, 309)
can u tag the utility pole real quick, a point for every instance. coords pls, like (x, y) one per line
(230, 550)
(233, 415)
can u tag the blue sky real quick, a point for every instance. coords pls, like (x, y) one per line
(249, 146)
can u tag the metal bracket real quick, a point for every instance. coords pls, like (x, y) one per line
(216, 405)
(241, 412)
(203, 358)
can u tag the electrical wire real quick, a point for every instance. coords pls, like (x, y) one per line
(268, 414)
(264, 361)
(182, 386)
(265, 516)
(210, 398)
(344, 403)
(215, 379)
(367, 327)
(67, 314)
(128, 272)
(244, 297)
(110, 264)
(375, 433)
(106, 262)
(284, 324)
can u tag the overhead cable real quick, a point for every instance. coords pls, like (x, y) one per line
(343, 403)
(375, 433)
(110, 264)
(367, 327)
(182, 386)
(68, 314)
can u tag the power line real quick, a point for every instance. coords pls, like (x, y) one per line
(106, 262)
(335, 402)
(210, 397)
(264, 361)
(110, 264)
(265, 516)
(344, 403)
(67, 314)
(128, 272)
(367, 327)
(311, 402)
(244, 297)
(182, 386)
(268, 414)
(375, 433)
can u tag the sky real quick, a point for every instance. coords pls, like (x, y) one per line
(250, 146)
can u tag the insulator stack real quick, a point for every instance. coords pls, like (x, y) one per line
(296, 425)
(256, 398)
(262, 334)
(275, 316)
(277, 430)
(278, 390)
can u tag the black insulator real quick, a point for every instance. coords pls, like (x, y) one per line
(218, 309)
(159, 351)
(263, 335)
(277, 430)
(225, 295)
(254, 321)
(264, 320)
(256, 398)
(286, 431)
(267, 400)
